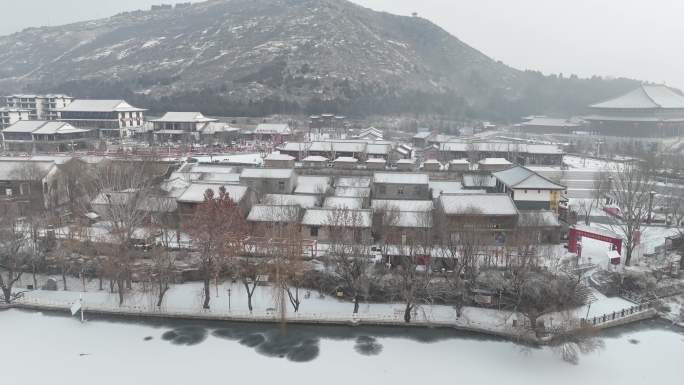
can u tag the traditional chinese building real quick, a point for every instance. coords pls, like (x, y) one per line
(648, 111)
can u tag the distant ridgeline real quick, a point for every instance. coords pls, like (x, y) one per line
(260, 57)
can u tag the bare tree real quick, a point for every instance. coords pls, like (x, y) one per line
(13, 256)
(349, 251)
(598, 192)
(413, 277)
(289, 266)
(249, 271)
(161, 273)
(217, 230)
(537, 291)
(630, 190)
(462, 245)
(123, 190)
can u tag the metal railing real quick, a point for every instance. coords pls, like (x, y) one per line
(617, 315)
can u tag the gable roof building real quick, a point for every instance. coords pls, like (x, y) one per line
(529, 190)
(113, 118)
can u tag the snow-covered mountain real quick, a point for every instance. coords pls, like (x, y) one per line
(274, 54)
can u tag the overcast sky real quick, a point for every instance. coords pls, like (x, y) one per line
(642, 39)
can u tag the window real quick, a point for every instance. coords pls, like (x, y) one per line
(538, 191)
(314, 231)
(281, 186)
(400, 190)
(8, 192)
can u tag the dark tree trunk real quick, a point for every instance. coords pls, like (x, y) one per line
(628, 255)
(101, 288)
(64, 283)
(249, 293)
(111, 286)
(35, 280)
(7, 294)
(207, 293)
(356, 304)
(407, 313)
(162, 291)
(120, 287)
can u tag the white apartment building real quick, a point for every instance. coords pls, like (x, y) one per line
(40, 107)
(11, 115)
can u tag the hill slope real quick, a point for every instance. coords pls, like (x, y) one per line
(266, 56)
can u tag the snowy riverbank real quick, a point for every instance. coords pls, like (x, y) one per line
(229, 302)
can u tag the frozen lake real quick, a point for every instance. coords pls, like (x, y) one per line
(43, 349)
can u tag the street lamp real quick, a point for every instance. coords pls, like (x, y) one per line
(229, 300)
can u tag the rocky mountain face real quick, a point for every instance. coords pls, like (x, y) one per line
(236, 57)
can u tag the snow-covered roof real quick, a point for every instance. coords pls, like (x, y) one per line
(402, 205)
(375, 160)
(478, 204)
(216, 127)
(346, 159)
(542, 121)
(446, 187)
(478, 180)
(58, 128)
(432, 161)
(522, 178)
(495, 161)
(312, 184)
(319, 146)
(546, 149)
(174, 187)
(360, 192)
(282, 157)
(400, 178)
(273, 128)
(459, 161)
(304, 201)
(343, 203)
(645, 97)
(195, 192)
(274, 213)
(341, 217)
(25, 126)
(267, 173)
(42, 127)
(422, 135)
(406, 161)
(99, 105)
(19, 170)
(315, 158)
(184, 117)
(353, 181)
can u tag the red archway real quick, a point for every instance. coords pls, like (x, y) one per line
(593, 233)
